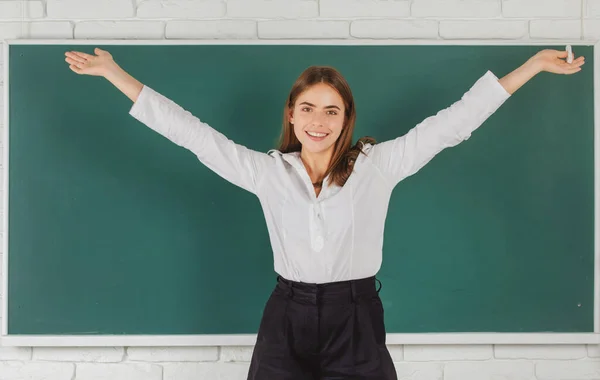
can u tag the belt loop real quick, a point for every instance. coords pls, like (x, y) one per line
(353, 291)
(290, 289)
(380, 285)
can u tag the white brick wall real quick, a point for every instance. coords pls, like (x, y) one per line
(530, 20)
(456, 8)
(481, 29)
(541, 8)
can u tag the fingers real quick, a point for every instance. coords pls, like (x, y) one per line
(75, 69)
(75, 62)
(578, 62)
(83, 55)
(75, 58)
(572, 70)
(79, 56)
(575, 66)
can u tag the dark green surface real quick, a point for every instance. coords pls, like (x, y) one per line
(115, 230)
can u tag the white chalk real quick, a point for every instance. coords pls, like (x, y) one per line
(570, 54)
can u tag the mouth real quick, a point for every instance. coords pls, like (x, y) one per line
(316, 136)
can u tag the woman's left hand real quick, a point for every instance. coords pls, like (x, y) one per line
(555, 61)
(552, 61)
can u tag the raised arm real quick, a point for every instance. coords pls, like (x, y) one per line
(405, 155)
(235, 163)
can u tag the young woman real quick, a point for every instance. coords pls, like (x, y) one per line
(325, 203)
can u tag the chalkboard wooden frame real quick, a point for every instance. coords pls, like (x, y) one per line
(241, 340)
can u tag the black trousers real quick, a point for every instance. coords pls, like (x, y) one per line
(322, 331)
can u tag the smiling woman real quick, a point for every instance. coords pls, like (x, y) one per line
(324, 318)
(318, 121)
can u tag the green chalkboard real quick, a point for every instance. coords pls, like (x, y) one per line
(112, 229)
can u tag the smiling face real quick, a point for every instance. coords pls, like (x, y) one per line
(318, 118)
(318, 121)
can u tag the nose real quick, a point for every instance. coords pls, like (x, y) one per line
(318, 118)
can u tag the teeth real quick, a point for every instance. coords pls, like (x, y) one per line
(317, 134)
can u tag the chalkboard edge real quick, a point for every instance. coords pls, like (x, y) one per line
(250, 339)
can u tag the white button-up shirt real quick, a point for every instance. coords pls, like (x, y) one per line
(337, 235)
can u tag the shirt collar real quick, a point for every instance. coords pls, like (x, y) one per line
(293, 158)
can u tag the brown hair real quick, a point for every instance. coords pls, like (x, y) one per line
(344, 155)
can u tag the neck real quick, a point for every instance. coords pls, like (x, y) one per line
(316, 164)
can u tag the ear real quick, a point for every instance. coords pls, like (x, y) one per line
(291, 116)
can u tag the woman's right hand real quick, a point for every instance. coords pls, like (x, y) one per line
(88, 64)
(102, 64)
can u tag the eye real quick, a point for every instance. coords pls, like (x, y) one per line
(305, 109)
(332, 112)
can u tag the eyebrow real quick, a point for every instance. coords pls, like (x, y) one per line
(312, 105)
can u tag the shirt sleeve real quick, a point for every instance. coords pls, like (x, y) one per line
(235, 163)
(405, 155)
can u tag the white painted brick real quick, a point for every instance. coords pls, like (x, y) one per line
(394, 29)
(490, 370)
(236, 354)
(212, 371)
(593, 350)
(36, 371)
(224, 29)
(539, 352)
(86, 9)
(481, 29)
(568, 370)
(37, 30)
(447, 352)
(10, 9)
(419, 371)
(123, 371)
(593, 8)
(396, 352)
(15, 353)
(272, 8)
(303, 29)
(364, 8)
(541, 8)
(591, 29)
(120, 29)
(456, 8)
(173, 354)
(555, 29)
(79, 354)
(181, 8)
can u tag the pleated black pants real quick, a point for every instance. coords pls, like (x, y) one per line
(322, 331)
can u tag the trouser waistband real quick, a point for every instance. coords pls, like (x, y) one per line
(339, 291)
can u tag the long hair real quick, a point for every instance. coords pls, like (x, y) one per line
(344, 155)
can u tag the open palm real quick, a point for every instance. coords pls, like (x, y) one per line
(89, 64)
